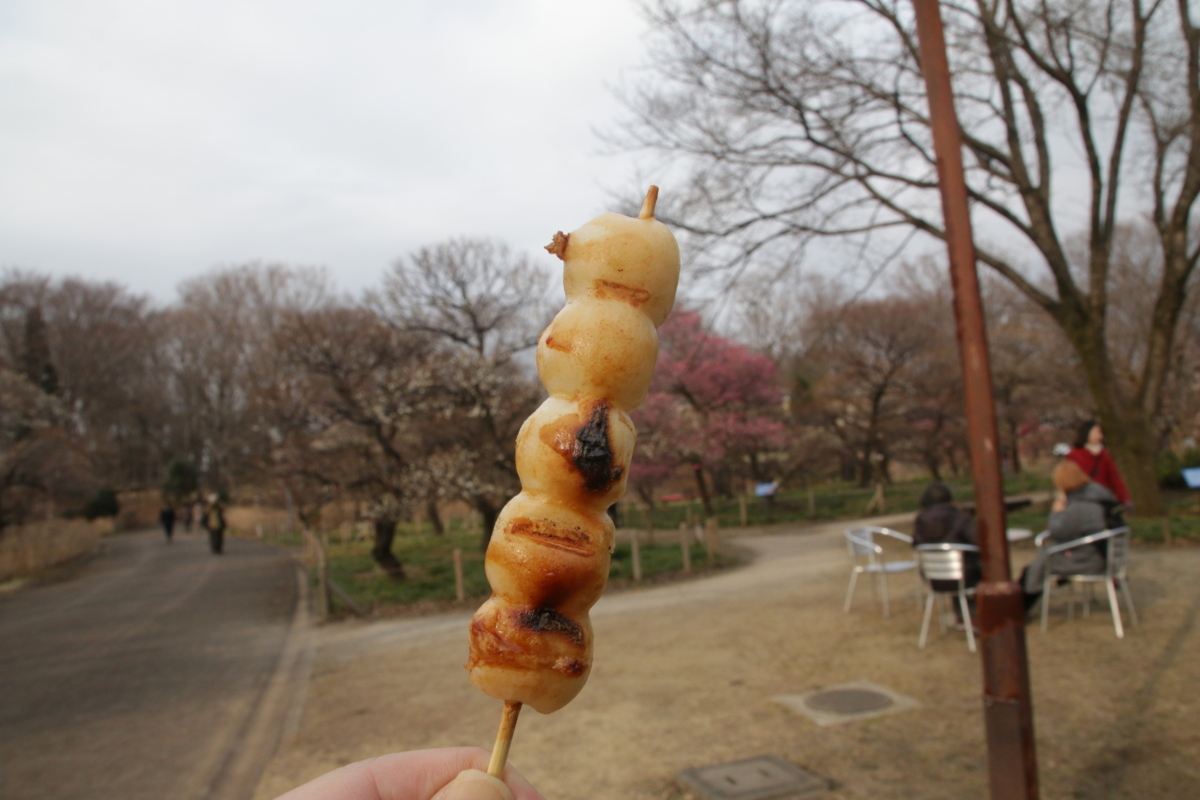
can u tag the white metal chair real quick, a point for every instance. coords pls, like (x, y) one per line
(1114, 575)
(946, 562)
(867, 556)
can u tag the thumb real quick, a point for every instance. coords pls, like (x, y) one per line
(472, 784)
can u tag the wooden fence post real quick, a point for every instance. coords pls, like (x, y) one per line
(322, 576)
(712, 539)
(877, 502)
(1167, 540)
(459, 586)
(635, 553)
(812, 501)
(685, 545)
(742, 509)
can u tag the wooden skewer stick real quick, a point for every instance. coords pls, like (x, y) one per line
(508, 723)
(649, 203)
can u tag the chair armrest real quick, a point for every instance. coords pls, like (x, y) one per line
(1089, 539)
(1041, 537)
(867, 544)
(943, 546)
(896, 535)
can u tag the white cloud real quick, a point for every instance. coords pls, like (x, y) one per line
(145, 142)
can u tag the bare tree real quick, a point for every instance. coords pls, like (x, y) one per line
(865, 356)
(218, 349)
(42, 466)
(484, 306)
(355, 416)
(809, 119)
(92, 346)
(473, 292)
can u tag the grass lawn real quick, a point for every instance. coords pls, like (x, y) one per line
(1183, 516)
(429, 561)
(429, 570)
(828, 501)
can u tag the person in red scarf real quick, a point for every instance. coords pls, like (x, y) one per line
(1092, 457)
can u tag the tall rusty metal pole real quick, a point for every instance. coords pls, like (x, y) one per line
(1008, 708)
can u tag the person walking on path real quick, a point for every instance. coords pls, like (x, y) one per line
(1096, 462)
(214, 523)
(166, 518)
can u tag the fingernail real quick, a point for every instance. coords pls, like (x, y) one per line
(473, 784)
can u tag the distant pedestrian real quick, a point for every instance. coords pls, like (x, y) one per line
(1096, 462)
(166, 518)
(214, 523)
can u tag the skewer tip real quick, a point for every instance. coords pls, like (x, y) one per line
(649, 203)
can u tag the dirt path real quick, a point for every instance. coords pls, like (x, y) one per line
(142, 675)
(685, 674)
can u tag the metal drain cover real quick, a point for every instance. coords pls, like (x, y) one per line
(849, 701)
(761, 778)
(846, 702)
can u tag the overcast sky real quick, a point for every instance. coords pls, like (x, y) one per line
(145, 142)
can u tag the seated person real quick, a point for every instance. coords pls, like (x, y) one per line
(940, 521)
(1078, 510)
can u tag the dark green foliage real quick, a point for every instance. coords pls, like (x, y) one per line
(1170, 466)
(38, 367)
(181, 482)
(103, 503)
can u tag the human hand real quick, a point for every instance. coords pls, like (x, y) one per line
(449, 774)
(1060, 502)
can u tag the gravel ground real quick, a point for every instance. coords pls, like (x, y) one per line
(685, 674)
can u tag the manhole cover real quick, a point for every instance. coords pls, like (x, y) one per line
(846, 702)
(761, 778)
(849, 701)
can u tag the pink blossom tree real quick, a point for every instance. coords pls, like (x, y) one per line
(714, 405)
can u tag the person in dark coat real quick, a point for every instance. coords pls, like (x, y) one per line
(1096, 462)
(214, 523)
(1078, 511)
(940, 521)
(166, 518)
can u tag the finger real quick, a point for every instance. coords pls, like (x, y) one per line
(421, 774)
(473, 784)
(414, 775)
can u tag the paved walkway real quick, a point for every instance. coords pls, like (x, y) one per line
(142, 676)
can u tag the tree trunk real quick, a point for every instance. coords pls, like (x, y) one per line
(435, 516)
(385, 534)
(865, 468)
(489, 513)
(1131, 443)
(703, 487)
(1127, 432)
(1015, 444)
(933, 463)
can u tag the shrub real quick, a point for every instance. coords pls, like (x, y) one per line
(1170, 466)
(103, 503)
